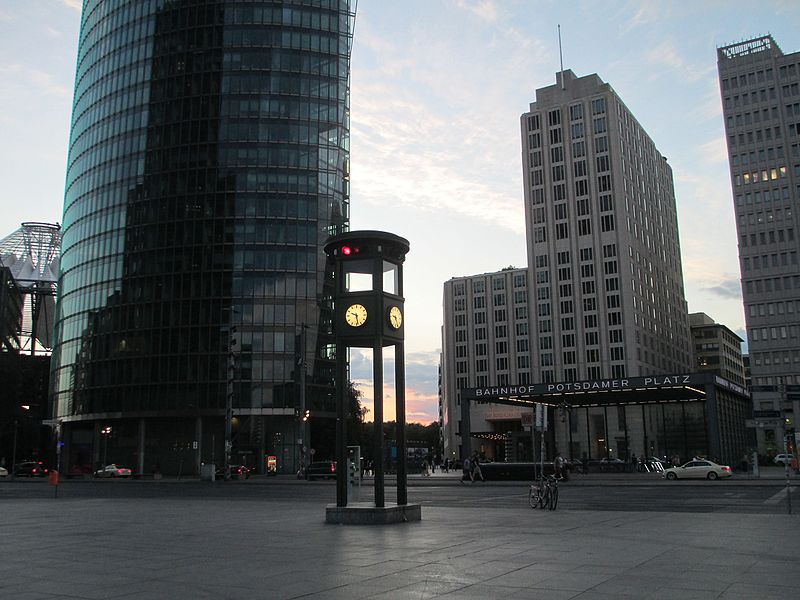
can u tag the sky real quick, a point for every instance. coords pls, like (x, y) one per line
(437, 90)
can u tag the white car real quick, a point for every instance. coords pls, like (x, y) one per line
(3, 472)
(698, 469)
(113, 471)
(783, 459)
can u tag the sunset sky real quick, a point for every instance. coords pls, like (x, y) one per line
(437, 90)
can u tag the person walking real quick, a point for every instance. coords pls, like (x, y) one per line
(475, 470)
(465, 470)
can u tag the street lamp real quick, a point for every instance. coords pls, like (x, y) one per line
(106, 433)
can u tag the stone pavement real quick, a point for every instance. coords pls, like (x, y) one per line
(236, 548)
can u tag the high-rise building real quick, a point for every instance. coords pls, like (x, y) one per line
(208, 163)
(485, 342)
(606, 284)
(716, 349)
(603, 300)
(760, 88)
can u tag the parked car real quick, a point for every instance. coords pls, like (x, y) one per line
(783, 459)
(698, 469)
(3, 472)
(113, 471)
(31, 468)
(324, 469)
(237, 472)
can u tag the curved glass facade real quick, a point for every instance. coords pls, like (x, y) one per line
(208, 163)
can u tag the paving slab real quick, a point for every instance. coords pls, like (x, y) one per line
(218, 548)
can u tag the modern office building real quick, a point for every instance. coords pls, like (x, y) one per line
(485, 341)
(604, 260)
(598, 329)
(760, 89)
(717, 349)
(208, 163)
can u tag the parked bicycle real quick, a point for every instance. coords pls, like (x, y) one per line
(544, 494)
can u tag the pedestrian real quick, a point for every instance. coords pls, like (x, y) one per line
(465, 470)
(475, 468)
(584, 463)
(558, 465)
(633, 462)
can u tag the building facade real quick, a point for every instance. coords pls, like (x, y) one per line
(605, 297)
(760, 89)
(484, 341)
(208, 163)
(606, 283)
(717, 349)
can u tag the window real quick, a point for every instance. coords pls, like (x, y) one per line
(575, 112)
(598, 106)
(607, 222)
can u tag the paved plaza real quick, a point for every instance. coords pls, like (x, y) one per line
(240, 547)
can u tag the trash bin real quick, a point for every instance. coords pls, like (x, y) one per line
(207, 471)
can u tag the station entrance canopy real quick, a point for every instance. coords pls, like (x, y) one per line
(656, 388)
(715, 392)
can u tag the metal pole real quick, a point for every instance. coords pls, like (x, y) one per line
(786, 468)
(400, 419)
(541, 441)
(341, 429)
(304, 424)
(377, 376)
(228, 415)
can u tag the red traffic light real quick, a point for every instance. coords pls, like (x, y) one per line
(348, 250)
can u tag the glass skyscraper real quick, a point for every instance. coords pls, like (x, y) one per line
(208, 163)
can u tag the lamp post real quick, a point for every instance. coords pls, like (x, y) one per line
(105, 432)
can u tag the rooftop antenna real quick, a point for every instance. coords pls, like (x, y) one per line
(560, 56)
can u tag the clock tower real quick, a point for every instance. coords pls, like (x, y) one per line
(368, 302)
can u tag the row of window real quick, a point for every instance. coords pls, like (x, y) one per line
(773, 308)
(760, 135)
(762, 175)
(751, 78)
(768, 216)
(769, 261)
(772, 284)
(757, 196)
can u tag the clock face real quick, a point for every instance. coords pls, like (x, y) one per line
(355, 315)
(395, 317)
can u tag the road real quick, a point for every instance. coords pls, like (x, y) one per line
(654, 495)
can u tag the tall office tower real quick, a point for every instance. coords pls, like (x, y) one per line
(760, 88)
(208, 163)
(484, 342)
(606, 286)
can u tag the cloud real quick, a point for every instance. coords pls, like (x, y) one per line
(422, 399)
(667, 56)
(714, 151)
(73, 4)
(647, 12)
(18, 76)
(485, 10)
(730, 288)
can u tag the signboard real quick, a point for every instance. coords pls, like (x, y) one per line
(693, 380)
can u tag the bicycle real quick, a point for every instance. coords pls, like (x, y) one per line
(544, 494)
